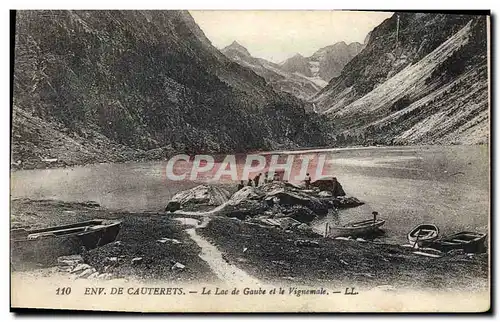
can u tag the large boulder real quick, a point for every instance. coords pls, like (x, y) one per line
(346, 202)
(244, 209)
(202, 195)
(246, 202)
(300, 213)
(329, 184)
(291, 198)
(244, 194)
(173, 206)
(286, 223)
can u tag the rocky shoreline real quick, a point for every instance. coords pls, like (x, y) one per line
(275, 200)
(263, 231)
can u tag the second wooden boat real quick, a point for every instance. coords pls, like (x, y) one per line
(468, 241)
(423, 234)
(358, 228)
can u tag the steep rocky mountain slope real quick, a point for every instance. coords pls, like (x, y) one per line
(115, 85)
(325, 63)
(297, 84)
(427, 86)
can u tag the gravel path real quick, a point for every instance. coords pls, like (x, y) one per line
(225, 271)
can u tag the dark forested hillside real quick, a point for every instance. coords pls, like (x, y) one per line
(111, 85)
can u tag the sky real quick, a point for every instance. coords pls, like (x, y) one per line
(278, 35)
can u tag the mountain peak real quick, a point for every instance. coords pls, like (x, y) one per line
(297, 63)
(237, 47)
(295, 57)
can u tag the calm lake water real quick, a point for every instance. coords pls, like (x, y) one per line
(444, 185)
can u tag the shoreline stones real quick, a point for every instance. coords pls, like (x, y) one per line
(87, 272)
(71, 260)
(306, 243)
(74, 265)
(178, 267)
(170, 240)
(137, 260)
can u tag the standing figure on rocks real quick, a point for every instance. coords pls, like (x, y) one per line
(256, 180)
(307, 181)
(249, 183)
(240, 185)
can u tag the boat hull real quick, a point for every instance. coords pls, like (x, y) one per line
(422, 235)
(47, 246)
(469, 242)
(346, 231)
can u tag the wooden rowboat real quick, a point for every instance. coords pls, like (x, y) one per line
(358, 228)
(46, 244)
(423, 234)
(466, 240)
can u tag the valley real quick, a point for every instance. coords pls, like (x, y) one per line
(158, 87)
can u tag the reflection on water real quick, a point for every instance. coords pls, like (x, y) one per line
(445, 185)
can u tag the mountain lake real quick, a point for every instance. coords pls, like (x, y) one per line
(407, 185)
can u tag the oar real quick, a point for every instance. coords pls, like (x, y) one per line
(416, 240)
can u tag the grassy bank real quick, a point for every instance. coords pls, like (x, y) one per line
(273, 256)
(268, 254)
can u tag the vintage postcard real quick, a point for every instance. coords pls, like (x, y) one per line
(250, 161)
